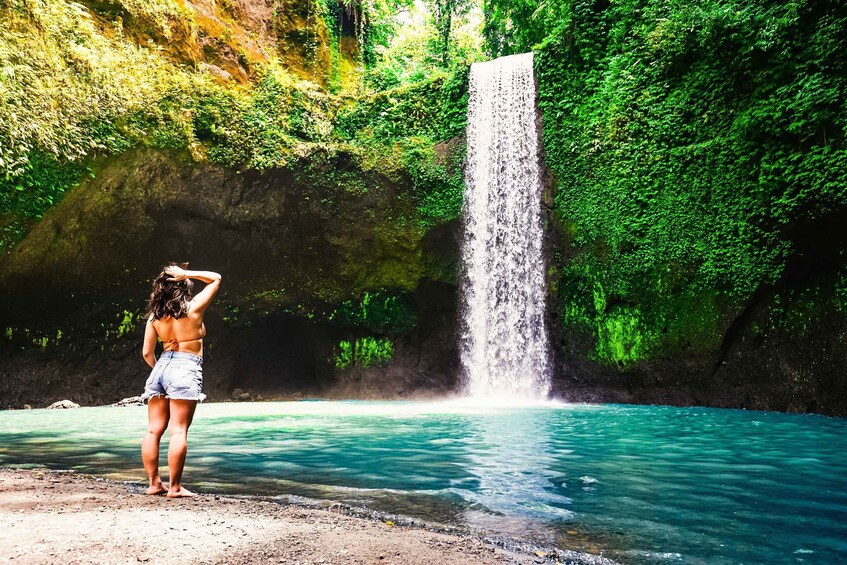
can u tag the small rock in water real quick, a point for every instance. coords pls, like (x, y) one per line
(62, 404)
(27, 407)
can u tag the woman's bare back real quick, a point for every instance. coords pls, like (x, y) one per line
(182, 334)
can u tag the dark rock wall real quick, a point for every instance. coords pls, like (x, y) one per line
(291, 245)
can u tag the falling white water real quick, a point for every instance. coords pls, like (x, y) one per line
(504, 336)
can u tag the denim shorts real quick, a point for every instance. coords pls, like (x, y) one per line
(177, 375)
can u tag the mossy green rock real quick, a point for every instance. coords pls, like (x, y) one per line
(321, 233)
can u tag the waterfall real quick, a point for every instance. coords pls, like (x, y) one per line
(504, 346)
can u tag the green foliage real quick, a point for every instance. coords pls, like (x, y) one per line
(410, 120)
(344, 355)
(798, 311)
(621, 338)
(126, 321)
(364, 352)
(24, 198)
(427, 44)
(159, 18)
(435, 109)
(684, 140)
(445, 12)
(266, 128)
(373, 24)
(516, 26)
(386, 312)
(63, 83)
(649, 325)
(438, 182)
(380, 24)
(383, 312)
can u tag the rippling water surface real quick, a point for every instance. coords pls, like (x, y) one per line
(639, 483)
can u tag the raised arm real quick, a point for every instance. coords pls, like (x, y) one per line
(148, 349)
(204, 297)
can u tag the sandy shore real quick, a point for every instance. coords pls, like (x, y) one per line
(52, 517)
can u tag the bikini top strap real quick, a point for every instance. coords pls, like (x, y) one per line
(174, 343)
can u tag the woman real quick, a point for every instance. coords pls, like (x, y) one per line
(175, 385)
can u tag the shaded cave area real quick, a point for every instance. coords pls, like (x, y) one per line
(281, 356)
(274, 356)
(262, 356)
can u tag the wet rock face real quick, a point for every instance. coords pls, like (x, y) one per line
(291, 246)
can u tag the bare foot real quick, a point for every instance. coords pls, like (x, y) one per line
(157, 488)
(180, 492)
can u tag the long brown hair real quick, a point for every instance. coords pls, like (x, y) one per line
(170, 298)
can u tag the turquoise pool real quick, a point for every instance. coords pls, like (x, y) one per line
(641, 484)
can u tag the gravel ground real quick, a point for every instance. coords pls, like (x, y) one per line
(55, 517)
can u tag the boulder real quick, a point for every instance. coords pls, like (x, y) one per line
(63, 404)
(130, 401)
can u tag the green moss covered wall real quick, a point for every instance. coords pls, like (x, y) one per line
(698, 156)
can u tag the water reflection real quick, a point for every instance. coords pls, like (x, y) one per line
(511, 478)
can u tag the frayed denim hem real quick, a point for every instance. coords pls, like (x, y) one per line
(199, 398)
(145, 398)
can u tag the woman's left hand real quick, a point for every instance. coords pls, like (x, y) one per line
(176, 273)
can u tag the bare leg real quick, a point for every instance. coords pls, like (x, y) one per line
(182, 412)
(157, 421)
